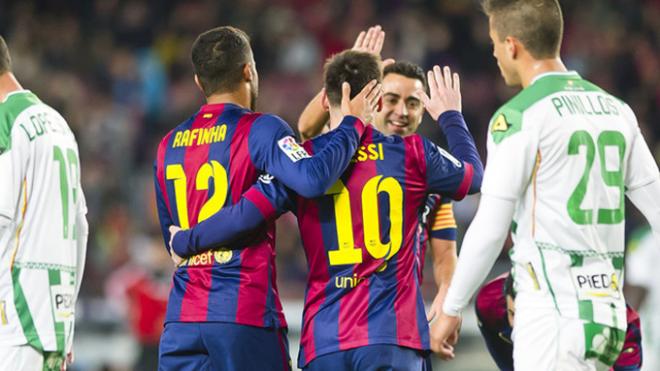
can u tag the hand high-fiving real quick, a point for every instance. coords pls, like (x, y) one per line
(371, 41)
(365, 104)
(445, 91)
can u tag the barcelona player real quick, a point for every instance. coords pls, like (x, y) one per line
(363, 305)
(495, 308)
(208, 161)
(401, 114)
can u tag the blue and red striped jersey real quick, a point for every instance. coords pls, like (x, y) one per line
(205, 164)
(360, 239)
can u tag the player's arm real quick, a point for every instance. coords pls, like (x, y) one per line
(164, 217)
(8, 194)
(512, 159)
(274, 149)
(442, 233)
(314, 117)
(264, 201)
(444, 106)
(12, 166)
(643, 183)
(82, 233)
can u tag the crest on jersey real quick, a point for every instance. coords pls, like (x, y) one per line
(292, 149)
(500, 124)
(222, 256)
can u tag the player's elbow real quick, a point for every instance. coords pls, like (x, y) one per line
(311, 187)
(477, 178)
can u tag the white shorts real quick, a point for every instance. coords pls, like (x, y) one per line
(27, 358)
(543, 340)
(21, 358)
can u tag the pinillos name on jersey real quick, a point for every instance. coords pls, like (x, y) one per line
(582, 104)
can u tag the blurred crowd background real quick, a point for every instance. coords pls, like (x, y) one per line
(119, 71)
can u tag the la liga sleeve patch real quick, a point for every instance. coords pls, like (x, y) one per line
(292, 149)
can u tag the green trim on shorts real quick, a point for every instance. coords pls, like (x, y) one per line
(24, 315)
(603, 342)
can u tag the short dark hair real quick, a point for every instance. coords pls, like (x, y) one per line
(356, 68)
(538, 24)
(407, 69)
(5, 59)
(218, 57)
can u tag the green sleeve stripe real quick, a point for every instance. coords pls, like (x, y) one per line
(24, 315)
(9, 111)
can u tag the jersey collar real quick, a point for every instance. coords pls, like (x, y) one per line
(15, 92)
(567, 74)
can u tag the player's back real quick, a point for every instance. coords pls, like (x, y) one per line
(203, 165)
(576, 145)
(42, 197)
(361, 239)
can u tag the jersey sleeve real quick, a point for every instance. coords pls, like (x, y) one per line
(274, 149)
(641, 168)
(264, 201)
(512, 156)
(164, 216)
(442, 224)
(641, 262)
(445, 174)
(12, 165)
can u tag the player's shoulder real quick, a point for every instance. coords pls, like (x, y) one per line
(265, 120)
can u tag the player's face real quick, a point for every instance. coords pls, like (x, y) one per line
(510, 309)
(504, 60)
(402, 110)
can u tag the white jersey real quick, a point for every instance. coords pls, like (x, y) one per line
(566, 152)
(42, 218)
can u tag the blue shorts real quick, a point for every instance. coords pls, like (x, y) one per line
(219, 346)
(381, 357)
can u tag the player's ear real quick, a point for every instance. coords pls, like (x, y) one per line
(247, 72)
(325, 103)
(199, 84)
(511, 45)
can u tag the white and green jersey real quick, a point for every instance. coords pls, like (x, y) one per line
(42, 208)
(566, 152)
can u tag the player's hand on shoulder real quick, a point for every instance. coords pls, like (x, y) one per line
(445, 92)
(175, 258)
(365, 104)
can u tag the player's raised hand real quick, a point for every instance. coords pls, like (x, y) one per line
(371, 41)
(365, 104)
(444, 335)
(445, 91)
(175, 258)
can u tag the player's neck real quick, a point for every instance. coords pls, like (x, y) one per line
(335, 117)
(8, 84)
(238, 98)
(537, 67)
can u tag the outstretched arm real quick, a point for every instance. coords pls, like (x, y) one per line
(274, 149)
(444, 106)
(263, 202)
